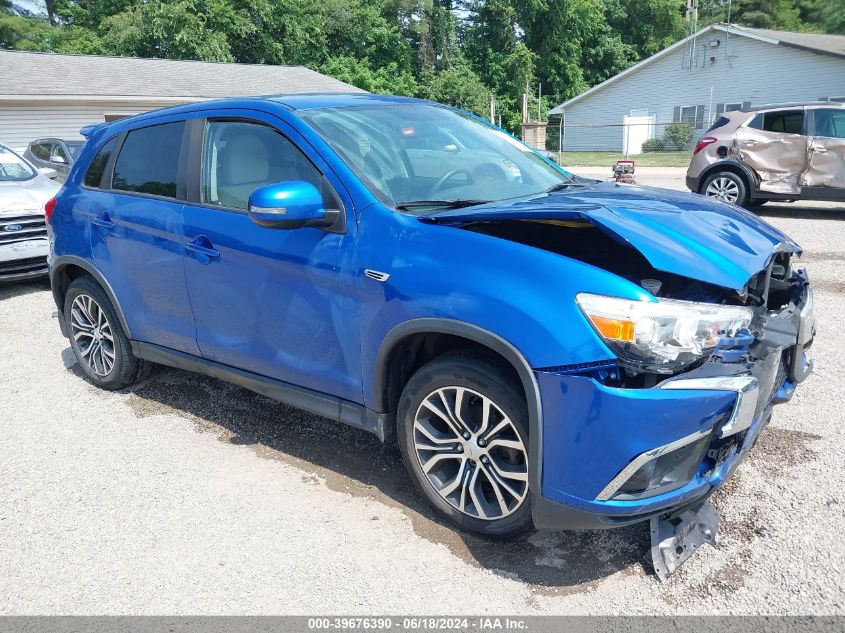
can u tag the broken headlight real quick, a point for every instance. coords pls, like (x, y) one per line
(662, 336)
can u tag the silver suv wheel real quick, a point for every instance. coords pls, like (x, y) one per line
(471, 453)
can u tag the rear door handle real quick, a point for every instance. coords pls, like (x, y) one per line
(202, 246)
(819, 150)
(103, 222)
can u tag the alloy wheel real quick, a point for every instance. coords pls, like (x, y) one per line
(93, 334)
(471, 452)
(723, 188)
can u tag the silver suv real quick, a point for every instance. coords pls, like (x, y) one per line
(786, 152)
(53, 153)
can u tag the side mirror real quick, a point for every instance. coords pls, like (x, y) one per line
(58, 160)
(451, 148)
(289, 205)
(48, 172)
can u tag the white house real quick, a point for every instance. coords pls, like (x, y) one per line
(718, 68)
(45, 94)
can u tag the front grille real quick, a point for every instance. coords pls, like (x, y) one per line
(31, 227)
(22, 266)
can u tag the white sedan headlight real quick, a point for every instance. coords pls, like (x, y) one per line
(661, 336)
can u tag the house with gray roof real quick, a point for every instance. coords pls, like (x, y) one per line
(719, 68)
(51, 95)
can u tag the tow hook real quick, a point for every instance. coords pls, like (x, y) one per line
(676, 537)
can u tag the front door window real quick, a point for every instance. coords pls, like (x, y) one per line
(239, 157)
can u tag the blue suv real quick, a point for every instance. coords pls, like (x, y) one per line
(547, 350)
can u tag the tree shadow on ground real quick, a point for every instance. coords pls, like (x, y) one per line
(355, 462)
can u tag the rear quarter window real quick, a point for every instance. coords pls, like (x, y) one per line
(94, 175)
(720, 122)
(149, 160)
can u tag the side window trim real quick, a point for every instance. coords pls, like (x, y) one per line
(197, 133)
(108, 171)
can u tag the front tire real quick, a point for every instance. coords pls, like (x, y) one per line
(97, 338)
(463, 433)
(727, 187)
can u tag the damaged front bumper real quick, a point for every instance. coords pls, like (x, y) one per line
(613, 456)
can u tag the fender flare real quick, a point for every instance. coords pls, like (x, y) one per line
(492, 341)
(61, 262)
(750, 176)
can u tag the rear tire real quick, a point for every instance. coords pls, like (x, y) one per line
(463, 431)
(726, 186)
(99, 343)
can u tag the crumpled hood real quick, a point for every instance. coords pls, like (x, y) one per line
(680, 233)
(29, 196)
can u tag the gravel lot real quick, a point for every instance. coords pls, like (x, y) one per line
(190, 496)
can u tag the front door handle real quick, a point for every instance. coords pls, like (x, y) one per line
(818, 150)
(202, 247)
(103, 222)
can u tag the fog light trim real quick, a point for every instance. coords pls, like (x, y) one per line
(643, 458)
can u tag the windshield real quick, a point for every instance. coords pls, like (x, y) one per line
(420, 155)
(13, 168)
(73, 147)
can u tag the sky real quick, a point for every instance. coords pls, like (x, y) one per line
(36, 6)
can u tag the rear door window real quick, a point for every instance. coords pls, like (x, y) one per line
(58, 151)
(149, 160)
(784, 121)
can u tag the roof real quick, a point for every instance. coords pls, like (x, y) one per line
(833, 45)
(46, 75)
(815, 42)
(791, 104)
(342, 100)
(301, 101)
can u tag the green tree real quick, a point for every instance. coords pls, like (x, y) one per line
(388, 79)
(648, 26)
(458, 86)
(569, 36)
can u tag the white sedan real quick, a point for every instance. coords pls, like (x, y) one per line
(23, 233)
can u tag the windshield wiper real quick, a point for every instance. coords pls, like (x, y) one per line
(409, 205)
(564, 185)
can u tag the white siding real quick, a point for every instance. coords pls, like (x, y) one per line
(753, 71)
(22, 122)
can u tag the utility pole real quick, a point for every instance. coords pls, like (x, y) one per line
(728, 29)
(692, 18)
(539, 101)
